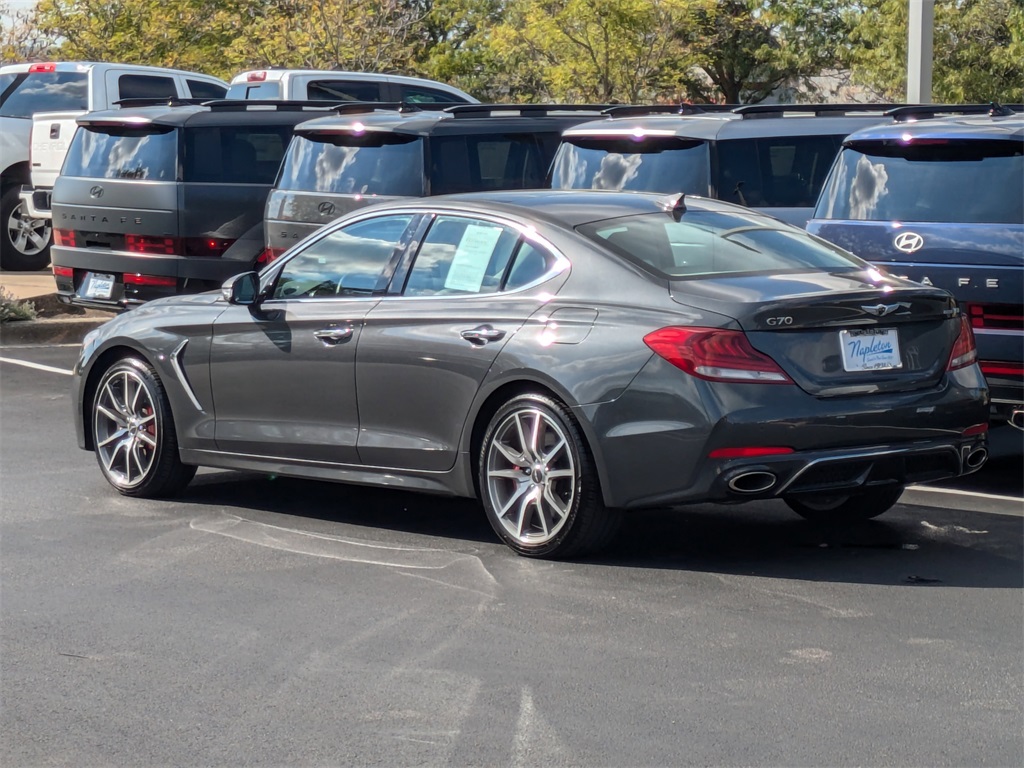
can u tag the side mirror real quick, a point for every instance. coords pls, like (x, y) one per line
(243, 289)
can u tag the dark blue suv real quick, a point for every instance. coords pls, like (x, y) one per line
(941, 200)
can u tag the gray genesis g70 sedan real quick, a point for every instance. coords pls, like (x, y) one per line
(564, 356)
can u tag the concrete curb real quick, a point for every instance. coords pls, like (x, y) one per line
(56, 330)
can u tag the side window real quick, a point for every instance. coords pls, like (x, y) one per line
(235, 154)
(343, 90)
(531, 263)
(145, 87)
(419, 95)
(352, 261)
(461, 256)
(200, 89)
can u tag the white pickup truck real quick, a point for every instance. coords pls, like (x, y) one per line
(38, 106)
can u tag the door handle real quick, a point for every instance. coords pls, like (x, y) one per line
(482, 334)
(331, 336)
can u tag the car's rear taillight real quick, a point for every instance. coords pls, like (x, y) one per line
(749, 452)
(715, 354)
(64, 237)
(267, 255)
(206, 246)
(964, 352)
(63, 272)
(46, 67)
(998, 317)
(150, 280)
(1000, 368)
(151, 245)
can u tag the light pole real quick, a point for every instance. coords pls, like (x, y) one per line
(919, 51)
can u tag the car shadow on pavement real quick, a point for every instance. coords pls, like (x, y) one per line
(910, 546)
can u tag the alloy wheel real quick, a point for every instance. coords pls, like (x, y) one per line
(125, 429)
(29, 236)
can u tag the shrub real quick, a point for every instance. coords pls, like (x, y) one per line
(12, 309)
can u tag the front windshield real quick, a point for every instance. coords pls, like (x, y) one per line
(652, 164)
(702, 243)
(381, 164)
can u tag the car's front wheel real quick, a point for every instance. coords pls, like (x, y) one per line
(24, 240)
(133, 432)
(846, 508)
(538, 483)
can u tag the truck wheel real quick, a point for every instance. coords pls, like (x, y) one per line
(24, 241)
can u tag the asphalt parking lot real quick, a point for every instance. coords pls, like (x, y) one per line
(267, 621)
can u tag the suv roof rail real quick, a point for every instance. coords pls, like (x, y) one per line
(282, 106)
(524, 110)
(817, 110)
(639, 110)
(905, 114)
(150, 101)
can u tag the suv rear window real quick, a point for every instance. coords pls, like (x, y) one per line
(33, 92)
(660, 164)
(123, 153)
(703, 243)
(956, 181)
(370, 164)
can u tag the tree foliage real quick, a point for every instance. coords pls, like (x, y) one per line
(978, 50)
(21, 39)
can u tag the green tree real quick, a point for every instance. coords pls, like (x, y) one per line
(978, 50)
(20, 37)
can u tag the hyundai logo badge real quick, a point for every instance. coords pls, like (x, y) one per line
(908, 242)
(326, 209)
(96, 191)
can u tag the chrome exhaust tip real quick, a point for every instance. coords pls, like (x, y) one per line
(752, 482)
(976, 458)
(1017, 419)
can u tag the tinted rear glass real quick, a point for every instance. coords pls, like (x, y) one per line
(45, 92)
(371, 164)
(249, 154)
(964, 182)
(649, 165)
(343, 90)
(777, 172)
(270, 90)
(704, 243)
(478, 163)
(123, 153)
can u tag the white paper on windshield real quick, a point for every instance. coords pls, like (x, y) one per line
(472, 257)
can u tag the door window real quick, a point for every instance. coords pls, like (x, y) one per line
(146, 87)
(461, 256)
(200, 89)
(352, 261)
(420, 95)
(343, 90)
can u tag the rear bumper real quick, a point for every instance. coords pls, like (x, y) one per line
(190, 275)
(37, 202)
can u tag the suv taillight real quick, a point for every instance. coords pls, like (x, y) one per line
(267, 255)
(715, 354)
(150, 245)
(64, 237)
(964, 352)
(206, 246)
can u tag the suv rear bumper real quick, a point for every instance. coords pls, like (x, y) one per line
(189, 275)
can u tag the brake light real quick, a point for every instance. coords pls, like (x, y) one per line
(267, 255)
(715, 354)
(749, 452)
(64, 237)
(964, 351)
(48, 67)
(206, 246)
(1008, 317)
(63, 272)
(977, 429)
(151, 280)
(150, 245)
(256, 77)
(991, 368)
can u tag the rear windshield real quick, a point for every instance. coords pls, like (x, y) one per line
(477, 163)
(656, 164)
(271, 90)
(370, 164)
(216, 154)
(705, 243)
(967, 182)
(123, 153)
(24, 94)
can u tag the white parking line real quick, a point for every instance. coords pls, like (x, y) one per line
(965, 493)
(37, 366)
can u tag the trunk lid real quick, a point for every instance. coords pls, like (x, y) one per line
(837, 333)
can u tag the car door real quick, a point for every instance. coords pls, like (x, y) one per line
(283, 373)
(424, 353)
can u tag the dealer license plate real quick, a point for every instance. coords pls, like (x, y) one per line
(872, 349)
(97, 286)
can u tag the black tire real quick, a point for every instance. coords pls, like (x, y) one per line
(24, 241)
(846, 509)
(133, 433)
(538, 484)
